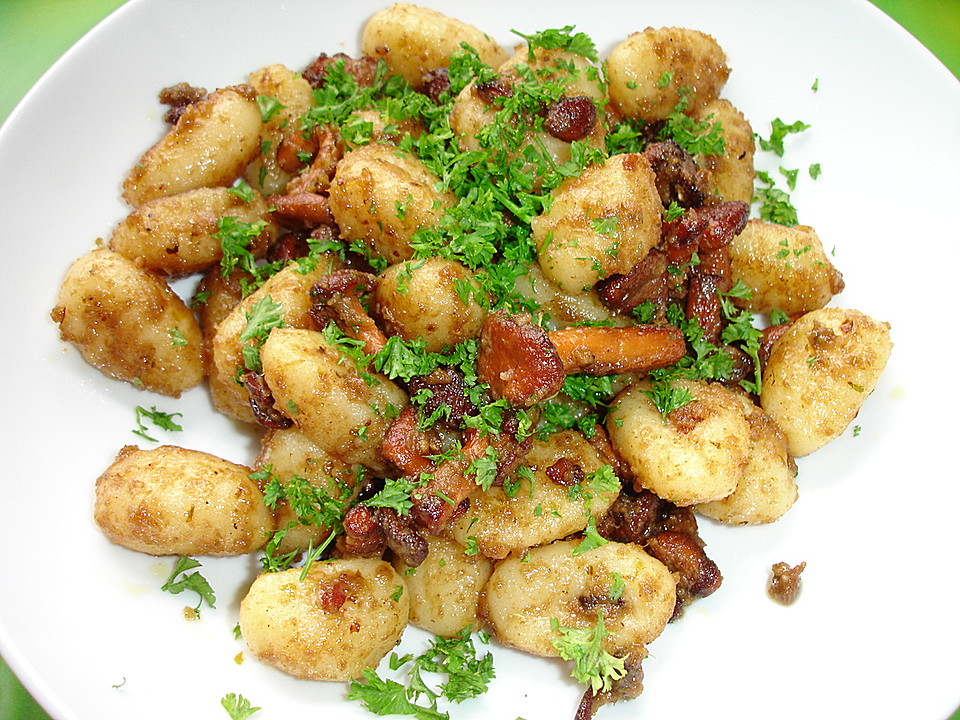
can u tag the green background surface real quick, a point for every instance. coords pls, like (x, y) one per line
(34, 33)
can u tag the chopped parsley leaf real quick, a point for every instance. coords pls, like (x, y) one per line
(162, 420)
(192, 581)
(237, 706)
(593, 665)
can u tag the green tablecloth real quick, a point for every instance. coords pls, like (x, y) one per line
(36, 32)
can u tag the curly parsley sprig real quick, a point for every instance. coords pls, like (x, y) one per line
(466, 675)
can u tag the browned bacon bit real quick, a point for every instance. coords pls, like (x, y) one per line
(723, 221)
(703, 303)
(571, 118)
(344, 282)
(646, 281)
(703, 229)
(261, 402)
(770, 335)
(434, 83)
(517, 360)
(717, 263)
(697, 575)
(565, 472)
(316, 178)
(364, 69)
(628, 687)
(288, 247)
(293, 147)
(784, 583)
(336, 297)
(179, 97)
(402, 537)
(439, 501)
(637, 515)
(742, 369)
(608, 350)
(408, 447)
(678, 178)
(301, 210)
(491, 90)
(362, 535)
(445, 393)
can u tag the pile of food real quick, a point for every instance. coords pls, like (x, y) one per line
(504, 327)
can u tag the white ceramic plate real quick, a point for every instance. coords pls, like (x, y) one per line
(875, 631)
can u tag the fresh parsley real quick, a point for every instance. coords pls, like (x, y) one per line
(593, 665)
(237, 706)
(162, 420)
(560, 39)
(464, 675)
(262, 317)
(195, 582)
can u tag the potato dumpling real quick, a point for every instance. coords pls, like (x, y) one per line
(768, 488)
(287, 454)
(129, 324)
(730, 175)
(413, 39)
(173, 501)
(294, 97)
(698, 454)
(646, 71)
(819, 373)
(321, 390)
(600, 223)
(424, 299)
(381, 197)
(785, 268)
(340, 620)
(445, 588)
(174, 235)
(531, 509)
(524, 593)
(211, 144)
(290, 288)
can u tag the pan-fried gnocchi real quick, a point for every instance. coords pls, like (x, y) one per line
(820, 372)
(429, 300)
(697, 454)
(129, 324)
(600, 223)
(786, 268)
(174, 501)
(382, 198)
(530, 509)
(175, 235)
(552, 581)
(344, 413)
(647, 70)
(487, 317)
(413, 39)
(209, 146)
(331, 625)
(445, 589)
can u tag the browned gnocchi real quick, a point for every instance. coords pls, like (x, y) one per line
(174, 501)
(209, 146)
(333, 624)
(129, 324)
